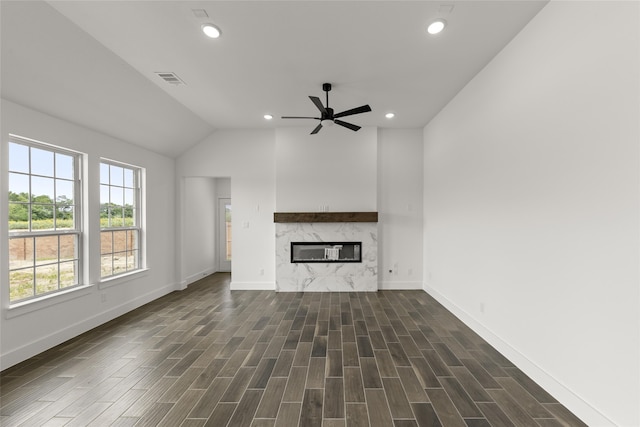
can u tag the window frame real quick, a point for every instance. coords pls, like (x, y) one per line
(78, 220)
(137, 226)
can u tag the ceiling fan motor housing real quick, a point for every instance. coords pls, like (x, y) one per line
(328, 115)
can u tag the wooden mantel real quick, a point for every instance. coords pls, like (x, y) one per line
(310, 217)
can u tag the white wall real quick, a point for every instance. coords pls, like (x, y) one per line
(400, 166)
(531, 206)
(27, 331)
(247, 157)
(200, 209)
(335, 167)
(288, 170)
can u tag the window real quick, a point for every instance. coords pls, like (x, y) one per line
(120, 229)
(44, 219)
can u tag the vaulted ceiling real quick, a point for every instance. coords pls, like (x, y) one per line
(94, 63)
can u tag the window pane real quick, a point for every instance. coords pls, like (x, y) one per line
(68, 274)
(128, 208)
(128, 178)
(64, 191)
(64, 217)
(18, 187)
(42, 217)
(41, 162)
(132, 260)
(18, 158)
(116, 177)
(106, 245)
(115, 206)
(64, 166)
(18, 216)
(46, 278)
(21, 284)
(104, 206)
(46, 249)
(117, 197)
(104, 173)
(117, 221)
(20, 252)
(42, 189)
(67, 248)
(106, 268)
(129, 195)
(64, 204)
(119, 241)
(119, 263)
(132, 239)
(104, 194)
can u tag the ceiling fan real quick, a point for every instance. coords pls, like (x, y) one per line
(327, 116)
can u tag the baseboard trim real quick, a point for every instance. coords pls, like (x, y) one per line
(36, 347)
(399, 285)
(581, 408)
(197, 276)
(252, 286)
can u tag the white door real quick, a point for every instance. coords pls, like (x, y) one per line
(224, 234)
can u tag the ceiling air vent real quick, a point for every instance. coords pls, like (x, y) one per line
(170, 78)
(200, 13)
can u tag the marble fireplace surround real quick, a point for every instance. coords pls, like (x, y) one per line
(326, 227)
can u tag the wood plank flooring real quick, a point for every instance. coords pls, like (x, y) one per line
(207, 356)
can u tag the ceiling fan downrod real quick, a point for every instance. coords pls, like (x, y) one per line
(327, 88)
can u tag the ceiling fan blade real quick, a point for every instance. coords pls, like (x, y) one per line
(358, 110)
(318, 104)
(297, 117)
(317, 129)
(347, 125)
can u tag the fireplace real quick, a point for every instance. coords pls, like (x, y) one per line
(326, 252)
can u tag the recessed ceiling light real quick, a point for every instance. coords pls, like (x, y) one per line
(211, 30)
(390, 115)
(268, 116)
(436, 26)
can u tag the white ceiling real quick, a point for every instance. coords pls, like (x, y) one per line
(94, 62)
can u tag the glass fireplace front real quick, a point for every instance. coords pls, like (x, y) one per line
(326, 252)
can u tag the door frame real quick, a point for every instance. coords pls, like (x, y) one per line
(223, 264)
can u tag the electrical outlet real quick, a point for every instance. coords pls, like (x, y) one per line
(103, 297)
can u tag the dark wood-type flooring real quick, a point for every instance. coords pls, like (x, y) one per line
(207, 356)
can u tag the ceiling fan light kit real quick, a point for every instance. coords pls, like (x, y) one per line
(327, 117)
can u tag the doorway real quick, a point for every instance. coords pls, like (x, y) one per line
(225, 234)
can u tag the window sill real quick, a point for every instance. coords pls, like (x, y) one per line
(122, 278)
(29, 306)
